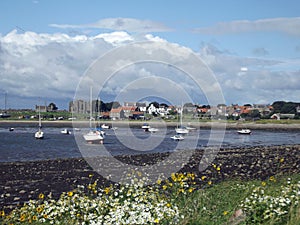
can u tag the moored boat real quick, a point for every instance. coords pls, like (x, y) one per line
(244, 131)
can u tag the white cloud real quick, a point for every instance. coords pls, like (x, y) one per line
(51, 66)
(289, 26)
(253, 80)
(120, 24)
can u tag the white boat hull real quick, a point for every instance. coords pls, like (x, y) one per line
(244, 131)
(94, 136)
(153, 130)
(39, 135)
(65, 131)
(181, 131)
(177, 138)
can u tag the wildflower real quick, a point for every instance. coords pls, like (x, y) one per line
(272, 178)
(191, 190)
(22, 218)
(41, 196)
(158, 181)
(281, 160)
(203, 177)
(164, 187)
(156, 220)
(209, 182)
(214, 165)
(39, 209)
(107, 190)
(225, 213)
(34, 218)
(2, 213)
(263, 183)
(218, 168)
(45, 216)
(70, 193)
(91, 175)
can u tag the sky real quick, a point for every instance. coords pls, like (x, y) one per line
(51, 51)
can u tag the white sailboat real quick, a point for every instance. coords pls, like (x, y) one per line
(244, 131)
(181, 129)
(93, 136)
(177, 138)
(39, 134)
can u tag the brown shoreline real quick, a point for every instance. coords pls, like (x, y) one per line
(208, 125)
(21, 181)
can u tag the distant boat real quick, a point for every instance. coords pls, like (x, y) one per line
(146, 126)
(104, 126)
(94, 135)
(11, 129)
(181, 129)
(65, 131)
(39, 134)
(177, 138)
(153, 130)
(244, 131)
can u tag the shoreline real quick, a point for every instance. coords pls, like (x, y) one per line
(119, 123)
(21, 181)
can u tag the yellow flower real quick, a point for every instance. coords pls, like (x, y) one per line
(107, 190)
(22, 218)
(203, 177)
(168, 205)
(158, 181)
(281, 160)
(272, 178)
(34, 218)
(41, 196)
(209, 182)
(45, 216)
(2, 213)
(214, 165)
(164, 187)
(156, 220)
(91, 175)
(70, 193)
(39, 209)
(191, 189)
(263, 183)
(225, 213)
(218, 168)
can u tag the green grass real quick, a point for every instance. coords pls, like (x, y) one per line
(178, 199)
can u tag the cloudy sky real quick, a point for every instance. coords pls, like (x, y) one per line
(248, 50)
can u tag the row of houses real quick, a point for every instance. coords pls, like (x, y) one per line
(138, 110)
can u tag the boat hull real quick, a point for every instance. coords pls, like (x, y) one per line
(94, 137)
(244, 131)
(39, 135)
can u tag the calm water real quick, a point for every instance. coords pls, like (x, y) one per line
(20, 144)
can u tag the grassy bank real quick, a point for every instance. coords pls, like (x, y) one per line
(181, 199)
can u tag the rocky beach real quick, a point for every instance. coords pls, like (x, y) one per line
(21, 181)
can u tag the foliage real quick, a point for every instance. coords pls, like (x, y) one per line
(285, 107)
(184, 198)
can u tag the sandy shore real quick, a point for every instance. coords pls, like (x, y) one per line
(155, 123)
(21, 181)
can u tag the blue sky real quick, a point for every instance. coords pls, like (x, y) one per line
(262, 38)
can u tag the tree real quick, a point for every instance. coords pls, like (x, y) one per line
(52, 106)
(155, 104)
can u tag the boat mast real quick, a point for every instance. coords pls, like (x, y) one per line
(91, 92)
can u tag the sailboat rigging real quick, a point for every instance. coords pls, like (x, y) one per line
(39, 134)
(94, 135)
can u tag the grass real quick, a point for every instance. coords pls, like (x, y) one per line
(182, 199)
